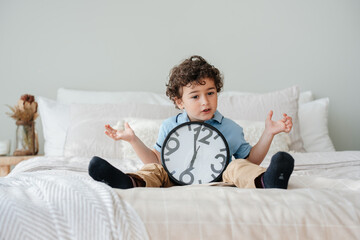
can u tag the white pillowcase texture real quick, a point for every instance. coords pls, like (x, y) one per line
(80, 112)
(69, 96)
(255, 107)
(55, 119)
(305, 97)
(86, 137)
(253, 131)
(147, 130)
(314, 126)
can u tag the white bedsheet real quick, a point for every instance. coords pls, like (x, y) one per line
(322, 202)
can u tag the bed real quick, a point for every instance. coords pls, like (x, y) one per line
(52, 197)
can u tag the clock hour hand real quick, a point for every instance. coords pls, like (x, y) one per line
(194, 157)
(196, 135)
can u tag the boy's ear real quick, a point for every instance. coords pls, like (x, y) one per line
(179, 103)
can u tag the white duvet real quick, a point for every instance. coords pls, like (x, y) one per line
(63, 203)
(54, 198)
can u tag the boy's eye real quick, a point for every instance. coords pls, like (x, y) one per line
(195, 97)
(211, 93)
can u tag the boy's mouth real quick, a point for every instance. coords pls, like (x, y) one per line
(206, 110)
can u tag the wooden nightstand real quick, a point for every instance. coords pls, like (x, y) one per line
(7, 161)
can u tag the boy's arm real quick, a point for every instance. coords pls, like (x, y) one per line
(261, 148)
(259, 151)
(145, 154)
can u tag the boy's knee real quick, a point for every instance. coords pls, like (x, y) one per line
(96, 160)
(96, 163)
(279, 156)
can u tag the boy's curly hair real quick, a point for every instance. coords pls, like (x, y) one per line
(192, 71)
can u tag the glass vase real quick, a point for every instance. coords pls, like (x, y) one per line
(26, 139)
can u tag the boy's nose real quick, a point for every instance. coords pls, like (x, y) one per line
(205, 100)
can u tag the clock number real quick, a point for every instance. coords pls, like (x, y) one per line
(172, 149)
(203, 140)
(222, 163)
(197, 130)
(187, 172)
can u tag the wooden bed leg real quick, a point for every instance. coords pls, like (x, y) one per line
(4, 170)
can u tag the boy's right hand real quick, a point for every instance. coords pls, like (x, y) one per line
(127, 134)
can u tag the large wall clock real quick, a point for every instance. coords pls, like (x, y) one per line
(195, 153)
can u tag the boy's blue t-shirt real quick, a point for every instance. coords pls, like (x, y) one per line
(232, 132)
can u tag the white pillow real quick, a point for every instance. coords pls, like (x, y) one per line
(98, 97)
(255, 107)
(147, 130)
(86, 139)
(55, 119)
(253, 131)
(306, 97)
(313, 118)
(80, 112)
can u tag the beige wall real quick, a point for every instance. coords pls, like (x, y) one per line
(259, 45)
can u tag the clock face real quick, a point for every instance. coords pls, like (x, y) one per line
(195, 153)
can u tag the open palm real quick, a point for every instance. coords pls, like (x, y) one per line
(127, 134)
(282, 125)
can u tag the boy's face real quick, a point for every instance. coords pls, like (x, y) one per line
(199, 101)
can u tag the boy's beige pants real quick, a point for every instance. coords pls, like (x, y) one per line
(239, 172)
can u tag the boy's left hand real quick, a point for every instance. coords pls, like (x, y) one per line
(275, 127)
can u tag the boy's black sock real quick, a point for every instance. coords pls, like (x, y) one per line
(101, 170)
(278, 173)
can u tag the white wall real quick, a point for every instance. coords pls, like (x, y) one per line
(259, 45)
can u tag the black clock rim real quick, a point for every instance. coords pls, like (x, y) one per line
(218, 178)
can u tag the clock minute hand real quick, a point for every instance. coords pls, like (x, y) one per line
(187, 172)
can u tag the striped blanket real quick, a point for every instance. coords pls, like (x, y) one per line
(63, 204)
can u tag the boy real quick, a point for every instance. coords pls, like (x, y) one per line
(193, 87)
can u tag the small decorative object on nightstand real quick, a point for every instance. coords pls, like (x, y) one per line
(5, 147)
(25, 113)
